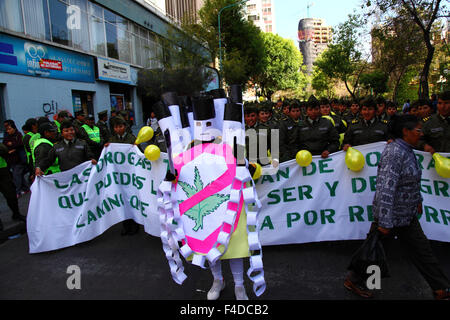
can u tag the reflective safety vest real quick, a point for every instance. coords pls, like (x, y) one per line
(3, 163)
(54, 168)
(31, 134)
(58, 125)
(93, 133)
(33, 139)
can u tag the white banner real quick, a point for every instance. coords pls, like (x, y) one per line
(322, 202)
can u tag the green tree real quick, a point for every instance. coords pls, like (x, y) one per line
(321, 84)
(424, 14)
(281, 69)
(376, 81)
(242, 43)
(343, 59)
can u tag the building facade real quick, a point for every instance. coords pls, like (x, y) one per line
(178, 10)
(77, 55)
(314, 36)
(262, 14)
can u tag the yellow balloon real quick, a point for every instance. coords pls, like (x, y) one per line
(258, 171)
(354, 159)
(304, 158)
(442, 165)
(145, 134)
(152, 152)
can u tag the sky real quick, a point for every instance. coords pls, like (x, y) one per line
(289, 12)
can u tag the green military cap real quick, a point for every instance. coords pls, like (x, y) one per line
(102, 113)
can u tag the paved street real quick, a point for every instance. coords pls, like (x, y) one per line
(134, 267)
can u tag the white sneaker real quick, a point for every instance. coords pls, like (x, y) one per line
(217, 287)
(240, 293)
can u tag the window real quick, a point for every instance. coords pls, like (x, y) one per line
(80, 33)
(11, 15)
(97, 29)
(58, 16)
(36, 19)
(112, 43)
(124, 39)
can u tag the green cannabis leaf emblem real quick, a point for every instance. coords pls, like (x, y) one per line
(204, 208)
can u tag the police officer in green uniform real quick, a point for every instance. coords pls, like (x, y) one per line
(264, 128)
(316, 134)
(367, 130)
(288, 132)
(62, 115)
(120, 135)
(91, 134)
(7, 187)
(68, 153)
(353, 112)
(102, 124)
(41, 149)
(436, 129)
(30, 129)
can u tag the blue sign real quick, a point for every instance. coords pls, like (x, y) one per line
(36, 59)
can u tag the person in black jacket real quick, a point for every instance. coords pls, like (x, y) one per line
(7, 187)
(70, 151)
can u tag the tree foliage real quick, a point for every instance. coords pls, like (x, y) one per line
(281, 67)
(343, 58)
(424, 14)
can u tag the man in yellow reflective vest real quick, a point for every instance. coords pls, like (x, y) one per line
(7, 187)
(41, 148)
(67, 153)
(91, 134)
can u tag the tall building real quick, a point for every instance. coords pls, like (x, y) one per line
(78, 55)
(314, 36)
(183, 9)
(262, 14)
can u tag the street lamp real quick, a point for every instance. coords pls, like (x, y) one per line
(220, 34)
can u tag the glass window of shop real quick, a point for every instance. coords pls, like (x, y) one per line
(11, 15)
(83, 25)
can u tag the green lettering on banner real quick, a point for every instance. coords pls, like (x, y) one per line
(284, 174)
(75, 180)
(431, 213)
(267, 222)
(445, 216)
(91, 217)
(80, 225)
(114, 201)
(304, 193)
(125, 179)
(273, 195)
(81, 199)
(131, 158)
(153, 191)
(308, 220)
(119, 157)
(149, 164)
(64, 204)
(98, 187)
(369, 213)
(86, 173)
(373, 183)
(287, 193)
(420, 159)
(358, 213)
(108, 181)
(355, 188)
(313, 169)
(332, 188)
(323, 165)
(267, 178)
(292, 217)
(369, 159)
(108, 158)
(425, 188)
(431, 164)
(324, 217)
(441, 189)
(100, 165)
(57, 185)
